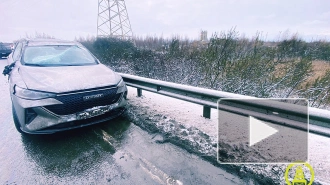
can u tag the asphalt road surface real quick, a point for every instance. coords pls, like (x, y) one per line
(114, 152)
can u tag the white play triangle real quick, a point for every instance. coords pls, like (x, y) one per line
(259, 131)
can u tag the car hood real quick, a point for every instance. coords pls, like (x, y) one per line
(68, 78)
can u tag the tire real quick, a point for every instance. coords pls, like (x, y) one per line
(16, 122)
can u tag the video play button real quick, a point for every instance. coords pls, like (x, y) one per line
(262, 131)
(259, 131)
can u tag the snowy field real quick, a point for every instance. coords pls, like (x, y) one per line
(163, 111)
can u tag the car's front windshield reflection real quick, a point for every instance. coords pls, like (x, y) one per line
(57, 55)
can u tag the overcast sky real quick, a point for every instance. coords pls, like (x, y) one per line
(67, 19)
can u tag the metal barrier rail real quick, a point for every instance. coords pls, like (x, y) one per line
(319, 119)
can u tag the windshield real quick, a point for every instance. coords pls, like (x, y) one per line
(62, 55)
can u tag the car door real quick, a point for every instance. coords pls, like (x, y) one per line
(14, 61)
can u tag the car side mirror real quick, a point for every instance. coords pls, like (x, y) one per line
(8, 69)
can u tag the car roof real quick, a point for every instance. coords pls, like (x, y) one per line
(44, 42)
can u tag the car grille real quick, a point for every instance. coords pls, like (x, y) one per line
(74, 103)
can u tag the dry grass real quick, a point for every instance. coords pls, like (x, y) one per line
(319, 69)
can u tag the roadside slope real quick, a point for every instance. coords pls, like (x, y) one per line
(182, 124)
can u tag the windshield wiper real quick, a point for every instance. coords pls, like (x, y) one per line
(39, 65)
(76, 64)
(56, 65)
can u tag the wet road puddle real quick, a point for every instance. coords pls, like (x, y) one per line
(116, 152)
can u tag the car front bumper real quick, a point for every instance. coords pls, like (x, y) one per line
(35, 117)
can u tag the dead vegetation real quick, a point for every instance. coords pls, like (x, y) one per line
(289, 67)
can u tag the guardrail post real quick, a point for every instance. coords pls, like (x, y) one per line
(139, 92)
(206, 112)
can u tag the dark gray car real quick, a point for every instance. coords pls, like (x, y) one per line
(59, 85)
(5, 49)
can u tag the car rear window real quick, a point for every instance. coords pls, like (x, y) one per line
(59, 55)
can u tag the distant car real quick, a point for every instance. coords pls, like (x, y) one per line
(58, 85)
(4, 50)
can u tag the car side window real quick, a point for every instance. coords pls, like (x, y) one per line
(17, 51)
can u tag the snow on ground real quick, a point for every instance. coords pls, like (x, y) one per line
(163, 111)
(189, 114)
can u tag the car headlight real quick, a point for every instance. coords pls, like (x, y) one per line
(121, 86)
(30, 94)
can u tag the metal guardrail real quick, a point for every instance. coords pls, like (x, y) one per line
(277, 112)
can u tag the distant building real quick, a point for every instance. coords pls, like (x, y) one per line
(204, 36)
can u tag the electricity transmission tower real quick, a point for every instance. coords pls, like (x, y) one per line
(113, 20)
